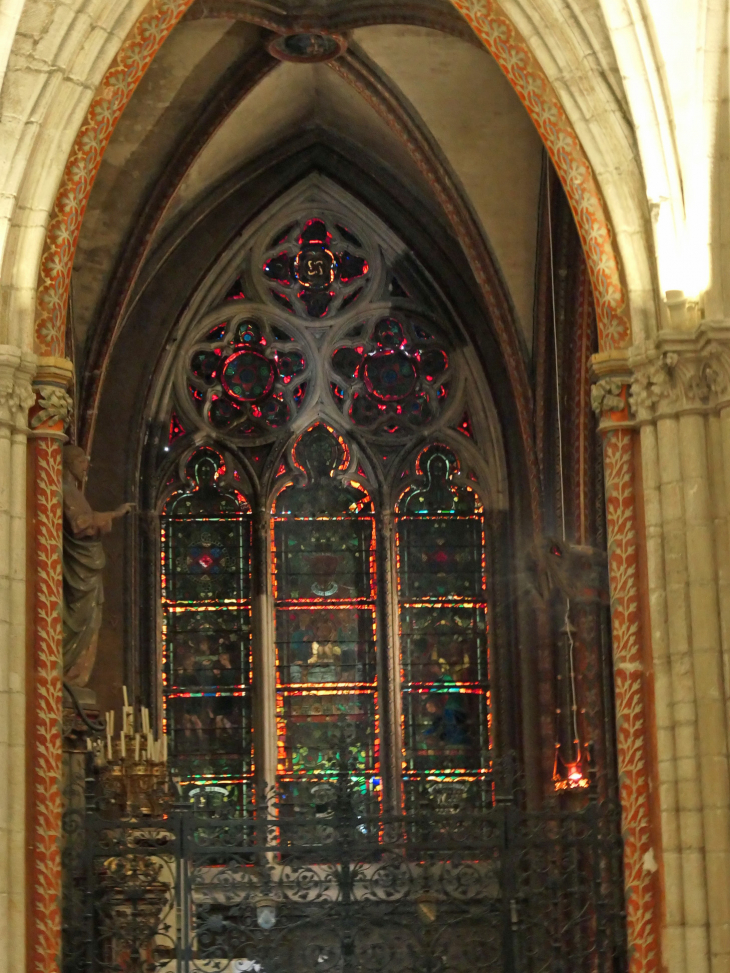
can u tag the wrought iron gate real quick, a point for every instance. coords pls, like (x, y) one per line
(326, 882)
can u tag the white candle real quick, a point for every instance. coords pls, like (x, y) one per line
(126, 698)
(122, 746)
(136, 747)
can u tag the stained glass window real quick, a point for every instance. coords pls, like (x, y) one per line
(442, 591)
(206, 552)
(315, 268)
(323, 534)
(322, 355)
(393, 379)
(246, 378)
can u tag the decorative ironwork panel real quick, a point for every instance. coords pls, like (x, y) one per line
(319, 879)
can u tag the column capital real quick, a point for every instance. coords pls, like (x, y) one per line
(17, 368)
(680, 372)
(683, 372)
(609, 393)
(52, 403)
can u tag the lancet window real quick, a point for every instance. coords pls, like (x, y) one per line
(206, 626)
(324, 563)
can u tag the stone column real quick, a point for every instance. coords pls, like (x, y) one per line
(679, 395)
(16, 395)
(632, 674)
(48, 419)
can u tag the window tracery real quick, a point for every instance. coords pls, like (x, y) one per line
(316, 269)
(325, 369)
(246, 377)
(392, 379)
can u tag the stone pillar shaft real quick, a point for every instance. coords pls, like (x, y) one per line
(16, 371)
(45, 707)
(679, 399)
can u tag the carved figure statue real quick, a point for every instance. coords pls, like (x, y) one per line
(83, 563)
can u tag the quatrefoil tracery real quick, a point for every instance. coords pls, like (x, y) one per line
(316, 269)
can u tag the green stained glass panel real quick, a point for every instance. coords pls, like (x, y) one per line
(210, 735)
(208, 649)
(317, 731)
(206, 559)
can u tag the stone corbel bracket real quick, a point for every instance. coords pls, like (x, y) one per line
(683, 373)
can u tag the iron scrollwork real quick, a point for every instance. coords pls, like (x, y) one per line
(325, 879)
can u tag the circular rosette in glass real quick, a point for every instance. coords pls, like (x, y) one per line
(316, 269)
(393, 381)
(247, 378)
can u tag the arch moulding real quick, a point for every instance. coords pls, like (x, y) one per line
(531, 84)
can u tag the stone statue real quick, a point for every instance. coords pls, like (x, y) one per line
(83, 563)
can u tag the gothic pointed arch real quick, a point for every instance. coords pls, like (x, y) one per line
(319, 372)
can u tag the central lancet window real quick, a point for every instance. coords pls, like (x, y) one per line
(325, 596)
(324, 526)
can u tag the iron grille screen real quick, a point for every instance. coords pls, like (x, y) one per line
(327, 882)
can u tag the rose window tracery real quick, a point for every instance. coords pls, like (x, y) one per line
(316, 269)
(247, 378)
(395, 380)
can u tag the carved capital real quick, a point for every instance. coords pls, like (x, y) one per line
(16, 393)
(653, 381)
(53, 404)
(54, 410)
(686, 373)
(606, 396)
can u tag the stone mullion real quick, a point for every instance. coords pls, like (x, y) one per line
(263, 682)
(389, 664)
(708, 681)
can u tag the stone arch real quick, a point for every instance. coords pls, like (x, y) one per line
(529, 79)
(498, 34)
